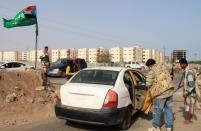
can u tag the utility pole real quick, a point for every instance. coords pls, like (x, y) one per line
(36, 44)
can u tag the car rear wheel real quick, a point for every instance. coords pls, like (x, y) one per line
(126, 123)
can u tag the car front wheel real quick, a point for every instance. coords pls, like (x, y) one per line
(126, 123)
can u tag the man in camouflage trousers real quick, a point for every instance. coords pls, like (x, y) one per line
(188, 84)
(45, 61)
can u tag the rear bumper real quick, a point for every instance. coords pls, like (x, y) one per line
(105, 116)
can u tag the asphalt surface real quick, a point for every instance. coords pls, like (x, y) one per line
(55, 124)
(57, 80)
(140, 120)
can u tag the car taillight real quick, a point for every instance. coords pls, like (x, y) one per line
(111, 99)
(58, 99)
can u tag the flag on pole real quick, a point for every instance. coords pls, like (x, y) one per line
(25, 17)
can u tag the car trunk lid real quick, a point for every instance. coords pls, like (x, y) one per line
(90, 96)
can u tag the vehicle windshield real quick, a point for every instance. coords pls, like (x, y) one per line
(59, 61)
(103, 77)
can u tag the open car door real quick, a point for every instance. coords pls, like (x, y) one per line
(142, 95)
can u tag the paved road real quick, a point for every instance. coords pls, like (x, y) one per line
(140, 121)
(57, 80)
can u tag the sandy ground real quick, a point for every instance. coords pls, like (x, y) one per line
(28, 113)
(28, 104)
(140, 122)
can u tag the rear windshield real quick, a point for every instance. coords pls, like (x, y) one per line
(103, 77)
(58, 61)
(62, 61)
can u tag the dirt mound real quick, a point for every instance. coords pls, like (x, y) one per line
(21, 83)
(23, 98)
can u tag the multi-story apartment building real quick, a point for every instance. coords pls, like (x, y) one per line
(19, 56)
(178, 54)
(132, 54)
(72, 53)
(157, 57)
(154, 54)
(129, 54)
(116, 54)
(146, 55)
(93, 54)
(1, 56)
(25, 56)
(161, 57)
(55, 54)
(32, 55)
(83, 53)
(10, 56)
(63, 53)
(139, 53)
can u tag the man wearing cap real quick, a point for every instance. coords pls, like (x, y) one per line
(162, 102)
(188, 84)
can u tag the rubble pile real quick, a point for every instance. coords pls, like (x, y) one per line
(21, 86)
(23, 98)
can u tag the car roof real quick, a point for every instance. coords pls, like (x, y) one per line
(10, 61)
(107, 68)
(5, 62)
(116, 69)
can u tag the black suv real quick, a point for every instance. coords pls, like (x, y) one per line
(58, 68)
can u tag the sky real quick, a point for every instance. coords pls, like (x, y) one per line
(160, 24)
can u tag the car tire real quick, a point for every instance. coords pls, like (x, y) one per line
(126, 123)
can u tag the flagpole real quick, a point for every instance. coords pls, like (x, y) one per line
(36, 43)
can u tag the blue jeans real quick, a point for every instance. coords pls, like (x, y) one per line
(159, 106)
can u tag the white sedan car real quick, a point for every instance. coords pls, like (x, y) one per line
(102, 96)
(12, 65)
